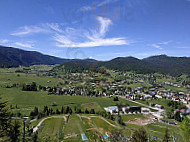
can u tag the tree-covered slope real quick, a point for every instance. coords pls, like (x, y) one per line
(13, 57)
(162, 64)
(169, 65)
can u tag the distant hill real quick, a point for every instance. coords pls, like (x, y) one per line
(13, 57)
(169, 65)
(128, 64)
(161, 63)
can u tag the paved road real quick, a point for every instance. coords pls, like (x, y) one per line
(140, 103)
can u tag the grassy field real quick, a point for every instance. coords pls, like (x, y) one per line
(52, 127)
(162, 102)
(158, 129)
(93, 125)
(178, 89)
(131, 116)
(25, 101)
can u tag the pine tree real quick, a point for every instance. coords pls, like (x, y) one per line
(4, 119)
(15, 132)
(166, 136)
(177, 116)
(185, 129)
(35, 137)
(62, 110)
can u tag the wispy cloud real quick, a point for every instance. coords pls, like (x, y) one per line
(94, 6)
(156, 46)
(45, 28)
(71, 37)
(18, 43)
(25, 45)
(64, 42)
(160, 44)
(92, 38)
(4, 41)
(106, 2)
(26, 30)
(86, 8)
(165, 42)
(184, 47)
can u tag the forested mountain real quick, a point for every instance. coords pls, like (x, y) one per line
(13, 57)
(171, 65)
(161, 63)
(128, 64)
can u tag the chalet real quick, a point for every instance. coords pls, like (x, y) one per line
(158, 96)
(159, 106)
(145, 110)
(112, 109)
(175, 98)
(146, 97)
(132, 109)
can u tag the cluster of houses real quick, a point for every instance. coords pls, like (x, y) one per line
(159, 94)
(175, 84)
(134, 110)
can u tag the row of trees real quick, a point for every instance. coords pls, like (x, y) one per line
(29, 87)
(175, 104)
(63, 110)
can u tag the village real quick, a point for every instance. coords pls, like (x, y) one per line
(142, 89)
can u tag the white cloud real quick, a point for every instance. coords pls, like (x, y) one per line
(18, 44)
(104, 25)
(26, 30)
(71, 37)
(93, 38)
(156, 46)
(184, 47)
(63, 42)
(36, 29)
(4, 41)
(161, 44)
(53, 26)
(106, 2)
(86, 8)
(25, 45)
(165, 42)
(94, 6)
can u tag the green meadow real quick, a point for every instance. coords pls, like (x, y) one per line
(70, 131)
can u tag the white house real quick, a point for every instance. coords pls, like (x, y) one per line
(112, 109)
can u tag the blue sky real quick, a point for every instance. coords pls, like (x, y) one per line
(99, 29)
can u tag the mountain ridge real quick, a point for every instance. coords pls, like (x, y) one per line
(13, 57)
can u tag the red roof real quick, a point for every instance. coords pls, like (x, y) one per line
(182, 110)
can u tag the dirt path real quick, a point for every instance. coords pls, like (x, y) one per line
(40, 123)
